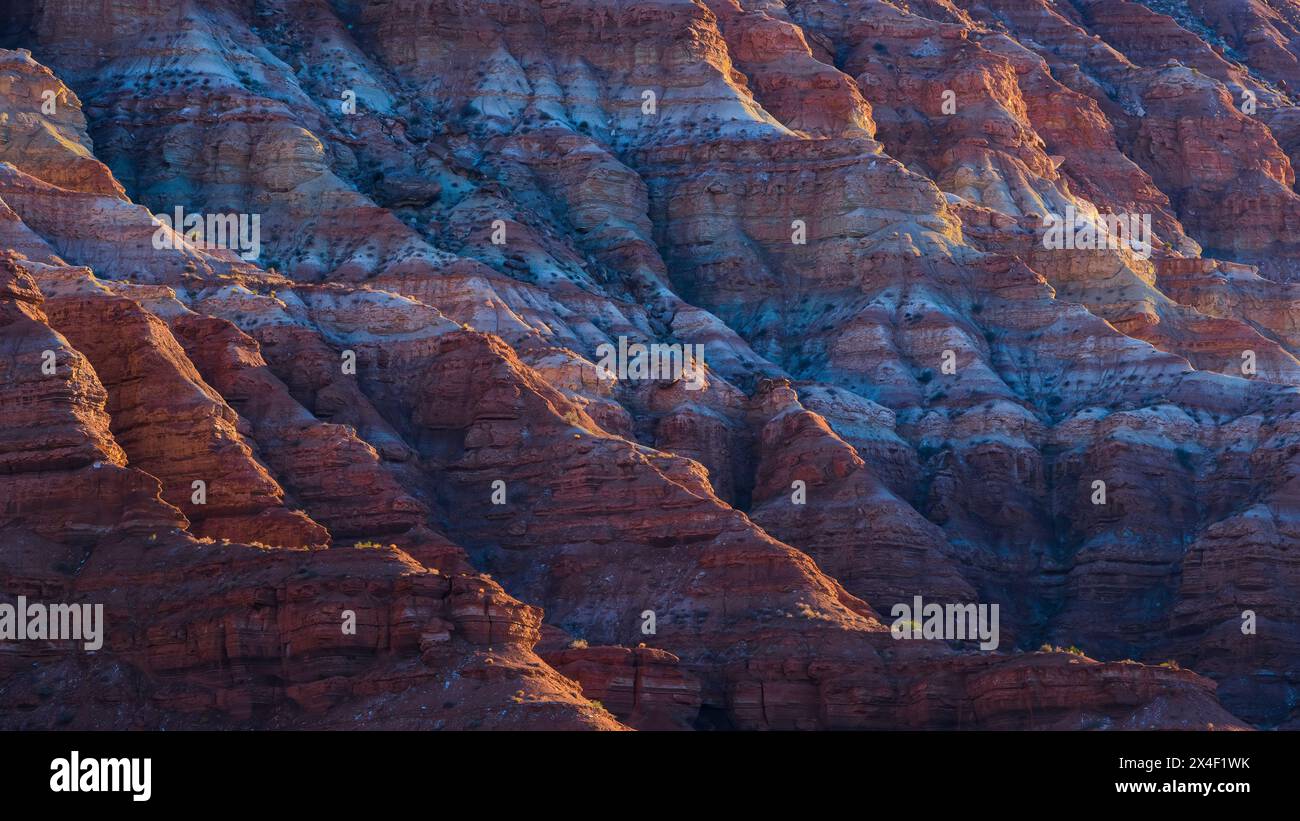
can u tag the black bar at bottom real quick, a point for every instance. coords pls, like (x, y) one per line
(212, 771)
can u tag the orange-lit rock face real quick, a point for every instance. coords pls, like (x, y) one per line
(403, 461)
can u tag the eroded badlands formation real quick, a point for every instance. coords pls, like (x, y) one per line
(394, 410)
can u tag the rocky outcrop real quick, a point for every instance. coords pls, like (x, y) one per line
(199, 634)
(173, 425)
(645, 687)
(43, 128)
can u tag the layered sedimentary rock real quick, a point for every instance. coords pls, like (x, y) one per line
(645, 686)
(904, 390)
(176, 427)
(198, 634)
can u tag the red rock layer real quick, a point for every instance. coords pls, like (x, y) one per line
(522, 183)
(198, 634)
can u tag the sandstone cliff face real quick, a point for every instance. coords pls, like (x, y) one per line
(902, 391)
